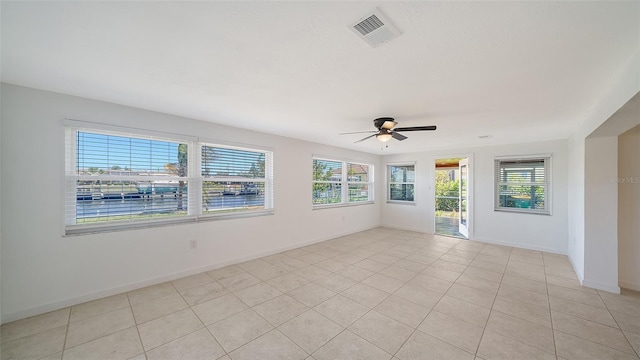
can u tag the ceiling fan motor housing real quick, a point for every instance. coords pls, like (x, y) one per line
(384, 123)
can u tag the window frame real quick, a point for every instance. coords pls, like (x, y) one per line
(390, 183)
(546, 183)
(193, 178)
(344, 183)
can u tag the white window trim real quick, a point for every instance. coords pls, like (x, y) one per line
(547, 158)
(389, 183)
(345, 183)
(193, 178)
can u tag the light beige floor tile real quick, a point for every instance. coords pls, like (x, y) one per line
(575, 295)
(225, 272)
(621, 303)
(371, 265)
(456, 259)
(349, 346)
(495, 346)
(525, 274)
(384, 258)
(627, 322)
(312, 272)
(33, 325)
(522, 310)
(412, 266)
(488, 266)
(239, 329)
(197, 345)
(349, 258)
(523, 295)
(569, 274)
(335, 282)
(203, 293)
(365, 295)
(332, 265)
(535, 259)
(514, 264)
(189, 282)
(419, 295)
(98, 326)
(281, 309)
(382, 331)
(568, 283)
(253, 264)
(535, 335)
(464, 253)
(483, 274)
(158, 307)
(257, 294)
(151, 292)
(587, 312)
(575, 348)
(311, 294)
(268, 272)
(270, 346)
(288, 282)
(531, 285)
(421, 346)
(219, 308)
(355, 273)
(123, 345)
(312, 258)
(98, 307)
(453, 331)
(341, 310)
(440, 273)
(591, 331)
(397, 273)
(403, 310)
(475, 296)
(58, 356)
(383, 282)
(478, 283)
(634, 340)
(463, 310)
(498, 260)
(447, 265)
(310, 330)
(295, 252)
(239, 282)
(431, 283)
(168, 328)
(34, 346)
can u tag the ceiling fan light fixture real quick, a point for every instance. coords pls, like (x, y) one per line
(383, 137)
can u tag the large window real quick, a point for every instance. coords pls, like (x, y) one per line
(401, 181)
(338, 182)
(523, 184)
(118, 179)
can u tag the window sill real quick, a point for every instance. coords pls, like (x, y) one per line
(331, 206)
(523, 211)
(401, 202)
(76, 230)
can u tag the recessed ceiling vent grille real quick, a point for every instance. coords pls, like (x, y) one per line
(375, 29)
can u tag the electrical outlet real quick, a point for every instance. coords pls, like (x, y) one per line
(194, 244)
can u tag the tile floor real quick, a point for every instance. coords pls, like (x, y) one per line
(378, 294)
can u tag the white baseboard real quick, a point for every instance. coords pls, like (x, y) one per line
(631, 285)
(37, 310)
(612, 288)
(523, 246)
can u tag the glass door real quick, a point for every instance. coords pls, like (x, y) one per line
(463, 203)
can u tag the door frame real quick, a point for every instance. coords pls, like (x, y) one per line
(470, 188)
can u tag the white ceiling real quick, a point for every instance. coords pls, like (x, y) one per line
(518, 71)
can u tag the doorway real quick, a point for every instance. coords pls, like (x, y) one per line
(451, 197)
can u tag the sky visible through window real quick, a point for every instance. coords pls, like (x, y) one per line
(97, 152)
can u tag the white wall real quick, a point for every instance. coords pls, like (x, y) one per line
(629, 209)
(601, 214)
(540, 232)
(43, 270)
(623, 87)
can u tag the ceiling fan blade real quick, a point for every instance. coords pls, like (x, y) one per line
(368, 137)
(359, 132)
(416, 128)
(398, 136)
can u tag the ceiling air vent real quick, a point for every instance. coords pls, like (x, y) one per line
(375, 29)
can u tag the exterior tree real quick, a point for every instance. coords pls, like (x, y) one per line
(179, 169)
(446, 187)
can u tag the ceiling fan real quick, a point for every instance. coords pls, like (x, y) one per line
(387, 130)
